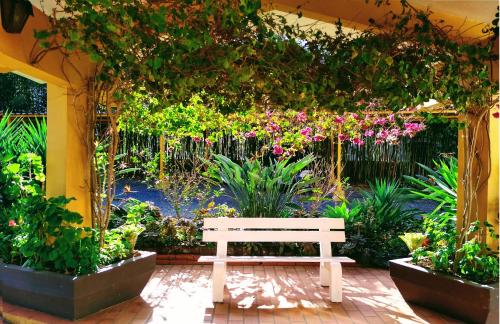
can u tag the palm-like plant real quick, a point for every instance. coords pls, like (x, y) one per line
(10, 129)
(439, 185)
(263, 191)
(33, 137)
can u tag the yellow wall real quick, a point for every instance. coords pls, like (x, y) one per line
(67, 162)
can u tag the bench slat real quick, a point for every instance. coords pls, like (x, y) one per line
(270, 223)
(273, 236)
(210, 258)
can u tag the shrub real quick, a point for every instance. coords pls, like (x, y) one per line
(49, 239)
(374, 224)
(473, 259)
(263, 191)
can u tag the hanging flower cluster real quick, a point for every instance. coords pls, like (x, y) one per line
(291, 132)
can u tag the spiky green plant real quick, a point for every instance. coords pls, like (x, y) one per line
(263, 191)
(33, 137)
(9, 133)
(439, 185)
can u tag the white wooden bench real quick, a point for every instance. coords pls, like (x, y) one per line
(323, 230)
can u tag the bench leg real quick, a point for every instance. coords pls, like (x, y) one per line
(219, 280)
(336, 282)
(324, 274)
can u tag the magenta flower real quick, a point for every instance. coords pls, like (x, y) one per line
(250, 134)
(378, 142)
(301, 117)
(339, 120)
(380, 121)
(277, 149)
(358, 141)
(343, 137)
(395, 131)
(355, 116)
(369, 133)
(273, 127)
(391, 118)
(383, 134)
(318, 138)
(306, 131)
(197, 139)
(269, 113)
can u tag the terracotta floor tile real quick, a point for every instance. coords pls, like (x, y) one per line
(181, 294)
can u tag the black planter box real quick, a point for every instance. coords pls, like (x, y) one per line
(75, 297)
(459, 298)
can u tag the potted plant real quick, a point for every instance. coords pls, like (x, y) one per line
(458, 279)
(55, 265)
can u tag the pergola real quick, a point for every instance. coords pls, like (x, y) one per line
(67, 156)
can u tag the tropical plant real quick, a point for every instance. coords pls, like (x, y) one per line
(33, 137)
(374, 223)
(9, 133)
(472, 258)
(263, 191)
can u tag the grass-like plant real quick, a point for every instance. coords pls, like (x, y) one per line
(264, 191)
(374, 223)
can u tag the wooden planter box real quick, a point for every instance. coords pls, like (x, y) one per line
(459, 298)
(74, 297)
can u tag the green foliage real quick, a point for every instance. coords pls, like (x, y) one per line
(50, 239)
(374, 223)
(263, 191)
(239, 52)
(473, 259)
(21, 179)
(18, 136)
(120, 241)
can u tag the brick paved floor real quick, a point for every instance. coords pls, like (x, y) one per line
(181, 294)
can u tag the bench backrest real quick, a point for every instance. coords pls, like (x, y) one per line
(323, 230)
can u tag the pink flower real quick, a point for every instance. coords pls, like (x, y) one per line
(209, 142)
(308, 138)
(269, 113)
(383, 134)
(395, 131)
(372, 104)
(355, 116)
(250, 134)
(318, 138)
(277, 149)
(358, 141)
(12, 223)
(380, 121)
(378, 142)
(301, 117)
(197, 139)
(339, 120)
(277, 140)
(391, 118)
(411, 129)
(369, 133)
(306, 131)
(343, 137)
(273, 127)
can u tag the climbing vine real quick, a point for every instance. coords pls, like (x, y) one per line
(255, 63)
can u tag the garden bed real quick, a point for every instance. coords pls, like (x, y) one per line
(74, 297)
(460, 298)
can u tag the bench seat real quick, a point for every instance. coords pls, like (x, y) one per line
(223, 230)
(229, 259)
